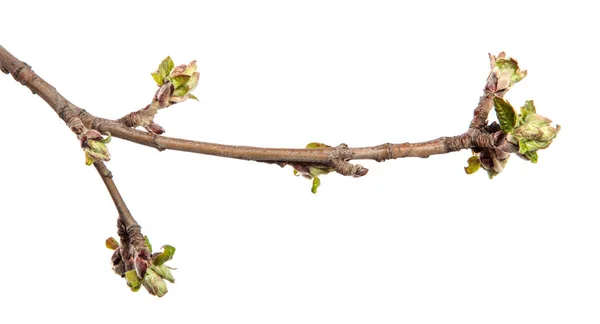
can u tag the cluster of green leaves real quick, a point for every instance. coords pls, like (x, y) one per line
(95, 147)
(156, 273)
(530, 131)
(184, 79)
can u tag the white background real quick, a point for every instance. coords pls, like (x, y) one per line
(415, 241)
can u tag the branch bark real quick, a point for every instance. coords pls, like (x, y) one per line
(133, 253)
(79, 120)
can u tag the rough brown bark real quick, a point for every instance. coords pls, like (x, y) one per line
(79, 120)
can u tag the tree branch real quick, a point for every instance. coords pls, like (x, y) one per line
(79, 120)
(491, 144)
(107, 178)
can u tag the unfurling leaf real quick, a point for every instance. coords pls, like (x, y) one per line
(88, 159)
(507, 117)
(532, 156)
(510, 67)
(504, 74)
(313, 171)
(181, 91)
(154, 284)
(96, 150)
(473, 164)
(315, 185)
(157, 78)
(533, 132)
(164, 68)
(315, 145)
(112, 243)
(527, 109)
(147, 242)
(133, 281)
(193, 82)
(191, 68)
(164, 272)
(166, 255)
(179, 80)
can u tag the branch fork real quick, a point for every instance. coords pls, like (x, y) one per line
(491, 144)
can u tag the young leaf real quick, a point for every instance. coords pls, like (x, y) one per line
(179, 80)
(158, 78)
(132, 280)
(147, 241)
(164, 272)
(510, 67)
(165, 67)
(474, 164)
(154, 284)
(506, 115)
(166, 255)
(315, 145)
(315, 185)
(527, 109)
(88, 159)
(112, 243)
(181, 91)
(532, 156)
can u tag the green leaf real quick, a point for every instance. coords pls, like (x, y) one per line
(317, 170)
(193, 82)
(166, 255)
(147, 241)
(506, 115)
(474, 164)
(511, 67)
(158, 78)
(133, 280)
(527, 109)
(112, 243)
(181, 91)
(315, 145)
(154, 284)
(191, 68)
(107, 139)
(193, 97)
(526, 145)
(164, 272)
(88, 159)
(179, 80)
(165, 67)
(315, 185)
(532, 156)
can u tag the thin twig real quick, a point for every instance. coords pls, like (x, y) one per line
(107, 178)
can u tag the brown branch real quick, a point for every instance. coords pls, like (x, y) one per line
(133, 248)
(107, 178)
(324, 155)
(337, 157)
(25, 75)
